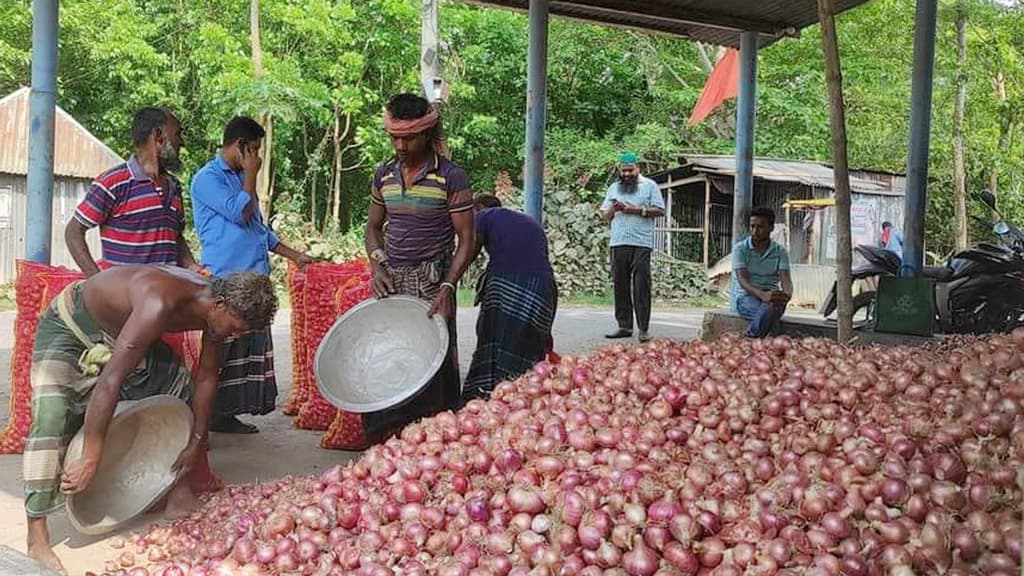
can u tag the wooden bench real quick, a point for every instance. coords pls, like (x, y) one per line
(719, 322)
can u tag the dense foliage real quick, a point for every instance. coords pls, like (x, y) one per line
(331, 64)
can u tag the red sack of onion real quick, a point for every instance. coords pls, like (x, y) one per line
(296, 281)
(324, 290)
(35, 286)
(734, 457)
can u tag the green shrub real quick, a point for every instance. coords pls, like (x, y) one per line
(577, 241)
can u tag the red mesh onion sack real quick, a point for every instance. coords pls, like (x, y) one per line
(346, 431)
(301, 377)
(324, 285)
(36, 285)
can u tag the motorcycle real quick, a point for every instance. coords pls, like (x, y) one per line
(977, 291)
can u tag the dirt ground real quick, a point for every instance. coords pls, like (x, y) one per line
(243, 459)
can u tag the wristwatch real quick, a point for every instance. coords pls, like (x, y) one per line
(643, 211)
(379, 256)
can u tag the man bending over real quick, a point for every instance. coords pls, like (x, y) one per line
(98, 343)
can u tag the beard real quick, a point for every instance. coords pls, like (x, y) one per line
(628, 183)
(168, 159)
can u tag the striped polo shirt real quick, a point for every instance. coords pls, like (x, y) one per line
(419, 213)
(140, 223)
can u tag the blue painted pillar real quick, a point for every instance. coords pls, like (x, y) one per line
(42, 112)
(915, 202)
(746, 111)
(536, 108)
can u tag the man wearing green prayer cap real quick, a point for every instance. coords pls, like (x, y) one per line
(632, 204)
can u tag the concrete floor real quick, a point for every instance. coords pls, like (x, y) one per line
(242, 459)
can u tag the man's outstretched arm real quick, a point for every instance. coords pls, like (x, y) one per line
(203, 398)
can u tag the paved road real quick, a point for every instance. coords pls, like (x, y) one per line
(242, 459)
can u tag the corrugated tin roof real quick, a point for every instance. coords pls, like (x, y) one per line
(804, 172)
(77, 153)
(711, 21)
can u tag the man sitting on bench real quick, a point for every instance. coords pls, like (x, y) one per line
(759, 266)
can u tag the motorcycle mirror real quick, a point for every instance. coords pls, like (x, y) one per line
(1001, 228)
(988, 198)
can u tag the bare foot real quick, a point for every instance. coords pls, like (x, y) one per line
(180, 502)
(44, 555)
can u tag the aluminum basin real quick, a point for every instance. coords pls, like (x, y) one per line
(380, 354)
(144, 439)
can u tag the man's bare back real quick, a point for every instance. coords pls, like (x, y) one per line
(180, 297)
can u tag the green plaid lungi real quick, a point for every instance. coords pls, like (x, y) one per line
(60, 394)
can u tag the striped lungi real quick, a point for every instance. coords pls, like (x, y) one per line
(513, 329)
(60, 394)
(442, 392)
(247, 383)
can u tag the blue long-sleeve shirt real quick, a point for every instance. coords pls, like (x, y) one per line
(228, 244)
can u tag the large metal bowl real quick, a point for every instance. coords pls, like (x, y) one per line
(143, 440)
(380, 354)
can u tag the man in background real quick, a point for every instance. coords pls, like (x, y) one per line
(516, 294)
(891, 239)
(234, 238)
(426, 202)
(137, 205)
(761, 282)
(631, 205)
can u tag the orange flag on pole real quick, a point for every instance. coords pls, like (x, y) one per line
(722, 84)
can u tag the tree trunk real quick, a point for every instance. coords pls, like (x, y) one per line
(263, 187)
(959, 164)
(1006, 127)
(336, 179)
(837, 114)
(312, 201)
(429, 56)
(705, 60)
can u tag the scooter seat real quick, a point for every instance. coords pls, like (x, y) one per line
(941, 273)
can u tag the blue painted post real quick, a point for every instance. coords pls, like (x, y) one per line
(536, 108)
(916, 200)
(42, 112)
(746, 111)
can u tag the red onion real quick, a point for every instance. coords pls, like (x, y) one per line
(781, 456)
(641, 560)
(681, 558)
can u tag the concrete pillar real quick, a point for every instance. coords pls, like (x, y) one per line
(42, 114)
(916, 199)
(746, 111)
(536, 108)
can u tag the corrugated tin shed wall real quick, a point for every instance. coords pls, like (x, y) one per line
(77, 153)
(67, 193)
(798, 172)
(867, 213)
(866, 216)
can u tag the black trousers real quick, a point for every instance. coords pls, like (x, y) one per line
(631, 277)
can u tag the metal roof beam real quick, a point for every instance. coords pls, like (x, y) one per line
(626, 9)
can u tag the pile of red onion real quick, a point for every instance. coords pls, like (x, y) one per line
(735, 457)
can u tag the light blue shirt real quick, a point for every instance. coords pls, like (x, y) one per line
(762, 268)
(229, 245)
(895, 243)
(634, 229)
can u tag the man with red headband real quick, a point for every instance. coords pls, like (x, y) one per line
(426, 201)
